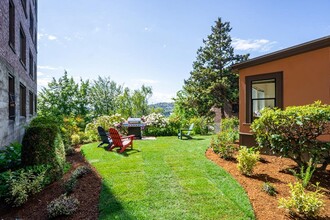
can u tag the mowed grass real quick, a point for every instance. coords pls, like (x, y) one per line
(166, 178)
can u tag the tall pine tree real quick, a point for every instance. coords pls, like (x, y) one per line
(211, 82)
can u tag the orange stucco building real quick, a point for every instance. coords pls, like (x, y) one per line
(298, 75)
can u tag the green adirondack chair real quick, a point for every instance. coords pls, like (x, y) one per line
(186, 132)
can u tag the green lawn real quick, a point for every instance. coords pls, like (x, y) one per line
(166, 178)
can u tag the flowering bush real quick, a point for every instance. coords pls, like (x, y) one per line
(158, 125)
(104, 121)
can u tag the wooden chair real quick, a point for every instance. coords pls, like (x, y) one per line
(104, 137)
(120, 141)
(186, 132)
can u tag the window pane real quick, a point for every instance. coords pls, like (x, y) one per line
(263, 89)
(258, 105)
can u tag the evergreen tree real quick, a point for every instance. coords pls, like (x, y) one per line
(212, 82)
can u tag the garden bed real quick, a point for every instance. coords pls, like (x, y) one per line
(274, 170)
(87, 192)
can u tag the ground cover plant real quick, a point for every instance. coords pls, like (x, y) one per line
(165, 179)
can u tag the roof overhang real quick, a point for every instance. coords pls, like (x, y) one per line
(291, 51)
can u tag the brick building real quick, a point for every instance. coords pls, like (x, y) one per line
(18, 64)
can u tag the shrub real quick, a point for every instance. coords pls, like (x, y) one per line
(305, 175)
(10, 157)
(63, 205)
(223, 145)
(42, 144)
(104, 121)
(200, 125)
(70, 184)
(308, 204)
(158, 125)
(293, 132)
(17, 186)
(75, 139)
(247, 159)
(269, 188)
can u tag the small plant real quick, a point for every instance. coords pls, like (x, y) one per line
(71, 183)
(307, 204)
(269, 188)
(17, 186)
(247, 159)
(10, 157)
(75, 139)
(81, 171)
(305, 175)
(63, 205)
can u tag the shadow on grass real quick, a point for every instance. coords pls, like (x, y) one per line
(126, 153)
(110, 207)
(192, 139)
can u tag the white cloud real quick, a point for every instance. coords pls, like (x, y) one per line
(40, 35)
(161, 97)
(148, 29)
(47, 67)
(261, 45)
(43, 81)
(96, 29)
(51, 37)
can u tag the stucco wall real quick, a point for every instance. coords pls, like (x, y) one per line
(306, 78)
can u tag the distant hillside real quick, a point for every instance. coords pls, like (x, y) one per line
(167, 106)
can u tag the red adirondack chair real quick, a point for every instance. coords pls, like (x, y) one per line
(120, 141)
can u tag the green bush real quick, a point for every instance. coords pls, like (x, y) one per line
(75, 139)
(71, 183)
(42, 144)
(293, 132)
(228, 124)
(10, 157)
(308, 204)
(200, 125)
(104, 121)
(17, 186)
(269, 188)
(63, 205)
(223, 145)
(247, 158)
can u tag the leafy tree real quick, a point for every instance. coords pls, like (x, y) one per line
(103, 96)
(63, 97)
(212, 82)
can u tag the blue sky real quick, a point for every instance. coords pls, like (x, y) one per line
(154, 42)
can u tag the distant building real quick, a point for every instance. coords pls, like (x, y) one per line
(18, 67)
(295, 76)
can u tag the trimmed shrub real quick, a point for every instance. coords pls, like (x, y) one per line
(223, 145)
(247, 159)
(42, 144)
(293, 132)
(307, 204)
(10, 157)
(63, 205)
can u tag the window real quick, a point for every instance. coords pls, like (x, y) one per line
(262, 91)
(11, 98)
(31, 103)
(35, 71)
(12, 24)
(22, 96)
(35, 104)
(31, 65)
(22, 47)
(31, 23)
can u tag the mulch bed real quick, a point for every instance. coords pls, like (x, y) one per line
(86, 191)
(272, 169)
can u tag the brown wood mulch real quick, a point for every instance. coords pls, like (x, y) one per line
(274, 170)
(271, 168)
